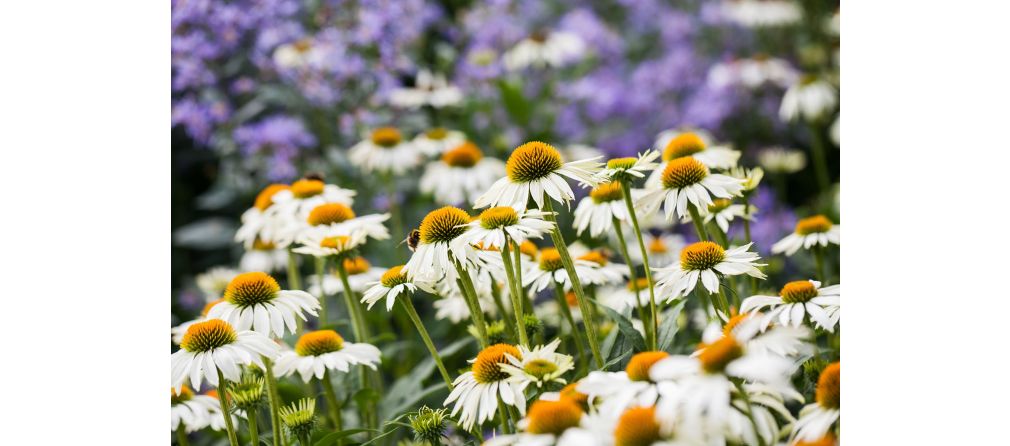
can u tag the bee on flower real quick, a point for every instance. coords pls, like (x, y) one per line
(385, 151)
(256, 301)
(704, 262)
(796, 302)
(319, 351)
(477, 392)
(815, 231)
(461, 175)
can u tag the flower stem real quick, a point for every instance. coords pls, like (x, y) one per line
(360, 335)
(819, 258)
(746, 231)
(408, 306)
(275, 402)
(505, 427)
(750, 412)
(222, 396)
(294, 280)
(517, 305)
(653, 319)
(699, 226)
(254, 433)
(820, 163)
(180, 435)
(517, 264)
(476, 313)
(333, 403)
(623, 247)
(320, 270)
(559, 292)
(396, 220)
(566, 259)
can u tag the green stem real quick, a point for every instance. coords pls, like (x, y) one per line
(517, 306)
(746, 230)
(408, 306)
(750, 412)
(180, 435)
(653, 316)
(254, 433)
(294, 281)
(333, 403)
(320, 270)
(396, 220)
(820, 162)
(476, 313)
(699, 226)
(500, 305)
(623, 247)
(503, 413)
(819, 258)
(559, 292)
(274, 398)
(517, 264)
(222, 392)
(360, 335)
(566, 259)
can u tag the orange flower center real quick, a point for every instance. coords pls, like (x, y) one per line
(829, 386)
(813, 225)
(529, 248)
(253, 288)
(639, 284)
(464, 155)
(437, 133)
(684, 144)
(393, 277)
(553, 417)
(550, 260)
(657, 246)
(330, 213)
(571, 393)
(637, 427)
(443, 225)
(498, 217)
(532, 161)
(261, 245)
(338, 242)
(386, 137)
(701, 255)
(185, 395)
(596, 257)
(307, 188)
(356, 265)
(640, 363)
(799, 291)
(717, 355)
(682, 172)
(606, 192)
(266, 196)
(208, 335)
(315, 343)
(486, 368)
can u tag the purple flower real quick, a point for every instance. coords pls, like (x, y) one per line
(283, 137)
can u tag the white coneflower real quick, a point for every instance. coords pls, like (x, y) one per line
(360, 275)
(438, 140)
(258, 224)
(687, 181)
(292, 206)
(461, 175)
(781, 160)
(613, 392)
(385, 151)
(212, 348)
(762, 13)
(795, 302)
(753, 73)
(549, 269)
(180, 330)
(477, 392)
(538, 366)
(322, 350)
(598, 210)
(817, 419)
(542, 49)
(663, 248)
(440, 244)
(809, 99)
(815, 231)
(254, 301)
(674, 144)
(263, 256)
(536, 168)
(490, 228)
(723, 211)
(630, 168)
(429, 89)
(545, 424)
(393, 283)
(700, 262)
(191, 410)
(213, 281)
(339, 219)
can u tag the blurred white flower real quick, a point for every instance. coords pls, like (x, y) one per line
(809, 99)
(429, 89)
(545, 49)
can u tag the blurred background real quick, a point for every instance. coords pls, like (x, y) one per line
(266, 90)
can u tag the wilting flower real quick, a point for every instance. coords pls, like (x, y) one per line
(476, 392)
(461, 175)
(687, 181)
(543, 48)
(539, 366)
(817, 230)
(701, 261)
(795, 302)
(536, 168)
(429, 89)
(322, 350)
(438, 140)
(393, 283)
(255, 301)
(491, 227)
(385, 151)
(818, 418)
(214, 345)
(630, 168)
(810, 100)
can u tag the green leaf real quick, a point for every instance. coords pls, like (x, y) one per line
(625, 326)
(409, 386)
(366, 396)
(395, 422)
(668, 329)
(518, 108)
(331, 439)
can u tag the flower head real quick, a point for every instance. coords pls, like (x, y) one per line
(255, 301)
(812, 231)
(299, 417)
(702, 261)
(215, 345)
(534, 169)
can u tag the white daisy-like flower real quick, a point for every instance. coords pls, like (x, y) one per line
(703, 391)
(536, 168)
(817, 230)
(254, 301)
(662, 249)
(546, 421)
(385, 151)
(762, 13)
(320, 244)
(493, 225)
(259, 225)
(611, 272)
(580, 152)
(632, 295)
(795, 302)
(751, 177)
(687, 181)
(753, 73)
(192, 410)
(598, 210)
(701, 261)
(461, 175)
(614, 392)
(292, 206)
(539, 366)
(322, 350)
(630, 168)
(263, 256)
(549, 269)
(429, 89)
(360, 275)
(545, 49)
(816, 420)
(674, 144)
(438, 140)
(440, 245)
(296, 54)
(723, 211)
(213, 281)
(782, 160)
(452, 307)
(339, 219)
(393, 283)
(809, 99)
(214, 345)
(478, 391)
(180, 330)
(217, 422)
(835, 131)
